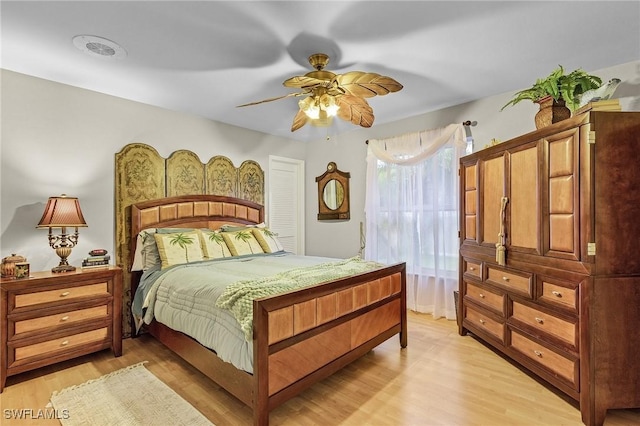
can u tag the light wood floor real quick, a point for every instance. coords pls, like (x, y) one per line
(441, 378)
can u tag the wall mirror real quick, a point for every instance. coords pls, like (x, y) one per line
(333, 194)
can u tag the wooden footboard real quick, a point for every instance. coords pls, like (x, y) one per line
(305, 336)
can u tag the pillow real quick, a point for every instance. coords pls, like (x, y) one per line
(146, 255)
(237, 227)
(242, 242)
(213, 244)
(179, 248)
(268, 240)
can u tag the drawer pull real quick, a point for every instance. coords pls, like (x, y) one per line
(482, 321)
(65, 294)
(482, 296)
(471, 268)
(64, 343)
(64, 318)
(505, 278)
(556, 293)
(538, 353)
(539, 320)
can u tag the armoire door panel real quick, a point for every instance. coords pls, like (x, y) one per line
(563, 215)
(561, 232)
(561, 155)
(470, 201)
(492, 193)
(561, 194)
(524, 199)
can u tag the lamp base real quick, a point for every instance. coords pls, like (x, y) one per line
(63, 268)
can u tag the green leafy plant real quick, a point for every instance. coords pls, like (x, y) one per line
(559, 86)
(183, 241)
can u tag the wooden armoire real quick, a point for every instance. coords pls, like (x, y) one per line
(550, 255)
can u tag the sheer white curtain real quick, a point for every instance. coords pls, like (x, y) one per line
(412, 213)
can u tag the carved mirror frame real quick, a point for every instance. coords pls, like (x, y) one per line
(333, 194)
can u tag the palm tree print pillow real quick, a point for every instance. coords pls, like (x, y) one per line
(179, 248)
(268, 240)
(242, 242)
(213, 245)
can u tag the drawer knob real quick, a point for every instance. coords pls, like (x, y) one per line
(556, 293)
(481, 295)
(482, 321)
(539, 320)
(471, 268)
(64, 318)
(64, 343)
(505, 278)
(65, 294)
(538, 354)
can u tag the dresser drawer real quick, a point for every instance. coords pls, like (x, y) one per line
(521, 283)
(64, 293)
(488, 298)
(564, 330)
(484, 322)
(61, 319)
(553, 361)
(559, 295)
(62, 343)
(473, 269)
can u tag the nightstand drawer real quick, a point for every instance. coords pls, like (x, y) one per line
(61, 294)
(63, 343)
(554, 326)
(64, 318)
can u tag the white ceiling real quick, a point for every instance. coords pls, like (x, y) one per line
(206, 57)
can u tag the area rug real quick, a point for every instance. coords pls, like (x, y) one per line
(130, 396)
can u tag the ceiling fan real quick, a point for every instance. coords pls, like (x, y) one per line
(329, 94)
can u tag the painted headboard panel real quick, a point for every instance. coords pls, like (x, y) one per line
(141, 174)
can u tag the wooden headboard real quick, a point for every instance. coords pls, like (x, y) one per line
(193, 211)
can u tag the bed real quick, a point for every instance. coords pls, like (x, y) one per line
(298, 337)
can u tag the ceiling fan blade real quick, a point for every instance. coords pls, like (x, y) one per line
(272, 99)
(366, 84)
(303, 82)
(355, 110)
(299, 120)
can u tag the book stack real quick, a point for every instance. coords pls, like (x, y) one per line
(606, 105)
(96, 259)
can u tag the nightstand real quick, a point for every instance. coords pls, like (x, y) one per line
(48, 318)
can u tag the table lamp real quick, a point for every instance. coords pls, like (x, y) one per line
(62, 212)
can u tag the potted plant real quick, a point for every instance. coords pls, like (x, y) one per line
(558, 94)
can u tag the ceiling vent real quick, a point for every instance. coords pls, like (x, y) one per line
(98, 46)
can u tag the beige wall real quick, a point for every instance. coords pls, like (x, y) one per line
(61, 139)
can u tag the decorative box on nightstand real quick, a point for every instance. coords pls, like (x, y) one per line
(48, 318)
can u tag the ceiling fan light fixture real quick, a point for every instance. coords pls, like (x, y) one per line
(317, 107)
(310, 107)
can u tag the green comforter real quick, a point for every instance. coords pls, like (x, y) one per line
(238, 297)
